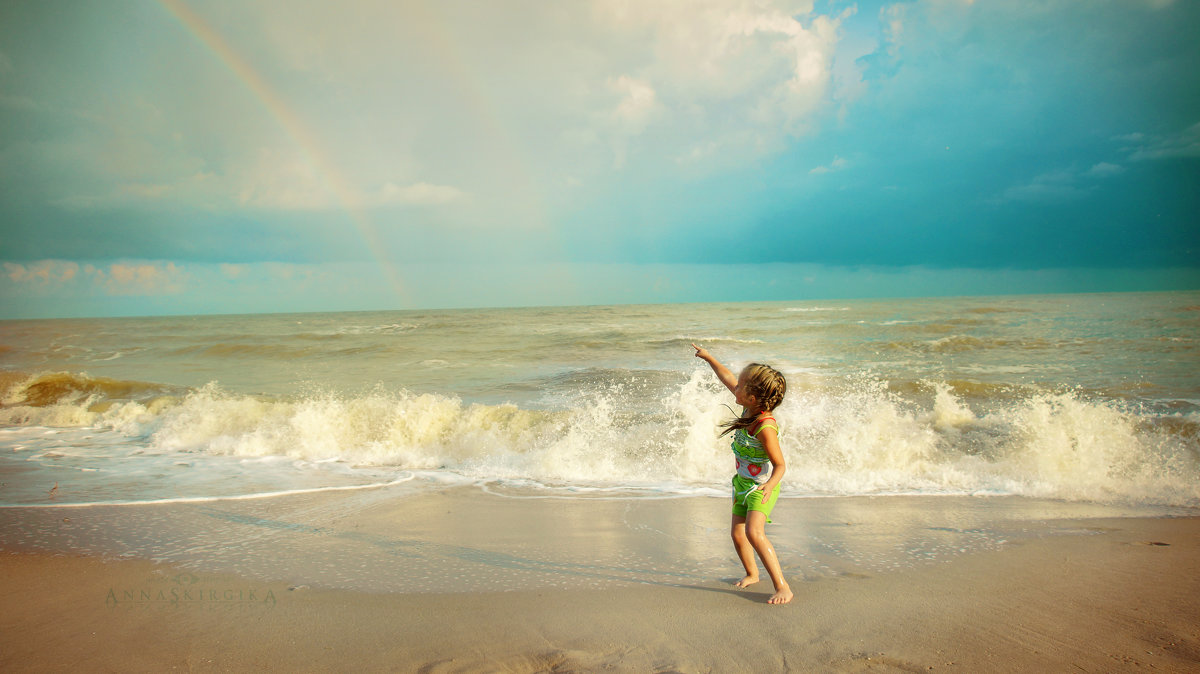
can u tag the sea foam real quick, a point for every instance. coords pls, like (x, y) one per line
(840, 437)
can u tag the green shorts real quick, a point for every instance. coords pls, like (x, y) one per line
(747, 497)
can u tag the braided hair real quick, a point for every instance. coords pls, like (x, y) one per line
(767, 386)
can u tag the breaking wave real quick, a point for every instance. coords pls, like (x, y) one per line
(840, 438)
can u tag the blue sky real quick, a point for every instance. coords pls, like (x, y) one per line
(224, 156)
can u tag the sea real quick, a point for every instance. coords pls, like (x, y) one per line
(1090, 398)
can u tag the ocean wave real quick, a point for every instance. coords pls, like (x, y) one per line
(862, 436)
(961, 343)
(945, 326)
(385, 329)
(244, 350)
(685, 341)
(48, 389)
(998, 310)
(975, 391)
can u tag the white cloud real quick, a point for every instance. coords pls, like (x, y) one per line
(294, 183)
(699, 49)
(893, 17)
(635, 109)
(1104, 170)
(741, 74)
(1183, 144)
(637, 104)
(1054, 186)
(1061, 185)
(289, 183)
(837, 164)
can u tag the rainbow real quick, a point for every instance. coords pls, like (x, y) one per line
(347, 196)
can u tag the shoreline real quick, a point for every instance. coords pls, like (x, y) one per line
(881, 585)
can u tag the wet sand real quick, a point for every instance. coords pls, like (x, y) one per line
(464, 581)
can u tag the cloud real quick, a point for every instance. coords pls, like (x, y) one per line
(138, 278)
(455, 86)
(42, 272)
(1055, 186)
(1104, 170)
(892, 17)
(1060, 185)
(722, 70)
(837, 164)
(700, 49)
(116, 278)
(1183, 144)
(288, 182)
(637, 103)
(292, 183)
(288, 186)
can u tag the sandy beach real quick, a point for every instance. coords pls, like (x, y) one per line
(464, 581)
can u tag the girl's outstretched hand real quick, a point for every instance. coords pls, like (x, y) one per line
(727, 378)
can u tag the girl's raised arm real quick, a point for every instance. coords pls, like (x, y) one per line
(727, 378)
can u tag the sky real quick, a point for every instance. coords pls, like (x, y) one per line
(223, 156)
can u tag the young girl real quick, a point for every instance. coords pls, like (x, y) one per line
(758, 389)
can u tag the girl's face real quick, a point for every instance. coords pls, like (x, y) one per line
(741, 395)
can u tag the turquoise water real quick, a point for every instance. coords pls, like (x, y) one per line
(1079, 397)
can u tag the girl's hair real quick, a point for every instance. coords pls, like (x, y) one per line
(767, 386)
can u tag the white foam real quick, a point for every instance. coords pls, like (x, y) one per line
(210, 499)
(714, 339)
(840, 437)
(385, 329)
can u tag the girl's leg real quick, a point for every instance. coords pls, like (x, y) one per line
(745, 551)
(756, 523)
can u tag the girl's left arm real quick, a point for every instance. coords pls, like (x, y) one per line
(770, 442)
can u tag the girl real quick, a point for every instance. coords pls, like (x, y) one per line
(758, 389)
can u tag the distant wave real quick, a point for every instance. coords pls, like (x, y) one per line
(963, 343)
(684, 340)
(234, 350)
(997, 310)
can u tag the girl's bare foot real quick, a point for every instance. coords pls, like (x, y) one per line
(746, 582)
(782, 596)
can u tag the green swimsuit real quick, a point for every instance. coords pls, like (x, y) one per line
(753, 469)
